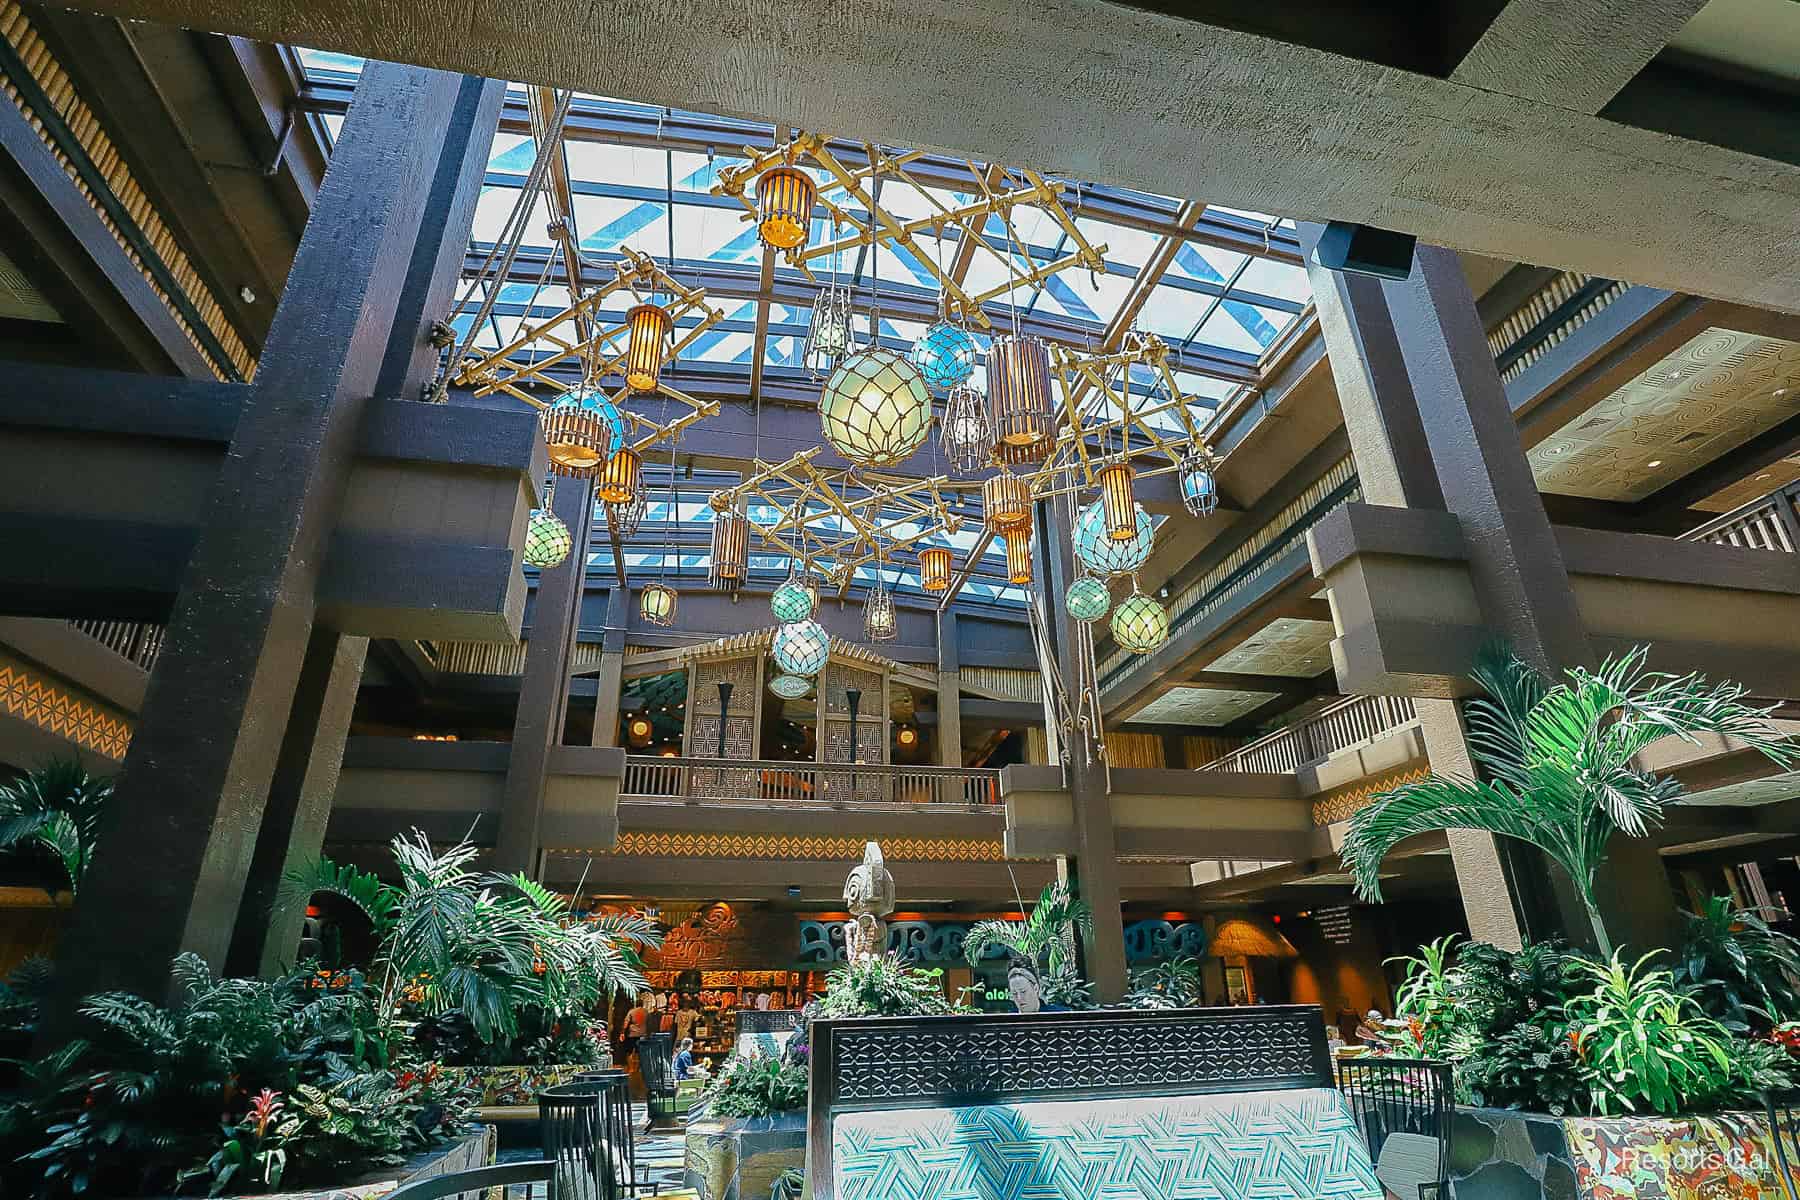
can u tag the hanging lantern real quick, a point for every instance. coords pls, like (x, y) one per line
(1018, 555)
(875, 410)
(547, 539)
(1139, 624)
(656, 604)
(790, 687)
(1116, 502)
(793, 601)
(1199, 483)
(622, 481)
(1006, 503)
(582, 430)
(1087, 599)
(880, 622)
(934, 568)
(1005, 455)
(649, 327)
(1104, 556)
(827, 330)
(625, 519)
(784, 204)
(945, 355)
(967, 437)
(802, 647)
(638, 731)
(730, 544)
(1018, 376)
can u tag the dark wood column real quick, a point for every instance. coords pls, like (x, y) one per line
(544, 688)
(949, 677)
(610, 678)
(177, 841)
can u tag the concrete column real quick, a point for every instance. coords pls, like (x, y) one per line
(177, 842)
(949, 677)
(609, 680)
(544, 688)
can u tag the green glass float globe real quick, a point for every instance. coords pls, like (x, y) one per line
(1088, 599)
(875, 410)
(790, 687)
(945, 355)
(1104, 556)
(792, 601)
(547, 540)
(802, 647)
(1139, 624)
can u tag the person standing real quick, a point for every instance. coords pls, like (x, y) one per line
(637, 1023)
(686, 1018)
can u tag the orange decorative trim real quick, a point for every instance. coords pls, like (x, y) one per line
(647, 844)
(1343, 803)
(52, 709)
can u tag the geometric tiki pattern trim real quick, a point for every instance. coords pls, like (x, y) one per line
(649, 844)
(1346, 802)
(55, 710)
(1286, 1145)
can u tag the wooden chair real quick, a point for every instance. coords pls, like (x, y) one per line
(1402, 1106)
(656, 1062)
(1783, 1111)
(475, 1184)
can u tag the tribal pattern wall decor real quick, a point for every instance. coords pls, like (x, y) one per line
(55, 711)
(823, 942)
(649, 844)
(1343, 803)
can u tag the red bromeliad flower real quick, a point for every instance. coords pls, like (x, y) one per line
(1416, 1027)
(264, 1109)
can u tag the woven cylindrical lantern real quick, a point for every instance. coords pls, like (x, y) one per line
(625, 519)
(784, 204)
(657, 604)
(880, 622)
(649, 327)
(967, 437)
(1005, 455)
(1006, 503)
(1018, 378)
(1199, 483)
(1018, 555)
(581, 430)
(934, 568)
(622, 480)
(1115, 500)
(730, 546)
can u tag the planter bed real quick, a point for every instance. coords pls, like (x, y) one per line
(473, 1149)
(511, 1087)
(740, 1158)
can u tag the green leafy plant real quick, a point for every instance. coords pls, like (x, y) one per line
(753, 1085)
(1642, 1042)
(1558, 764)
(1046, 937)
(1427, 999)
(1740, 970)
(1069, 991)
(56, 808)
(882, 986)
(1172, 984)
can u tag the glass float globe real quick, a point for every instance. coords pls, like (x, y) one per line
(945, 355)
(801, 647)
(1103, 554)
(790, 687)
(1139, 624)
(547, 540)
(875, 410)
(582, 429)
(792, 601)
(1088, 599)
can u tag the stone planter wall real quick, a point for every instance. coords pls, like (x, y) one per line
(474, 1149)
(1501, 1154)
(739, 1159)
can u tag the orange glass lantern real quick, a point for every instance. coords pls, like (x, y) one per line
(1116, 502)
(784, 204)
(1006, 503)
(1005, 455)
(622, 479)
(649, 327)
(1018, 378)
(1018, 555)
(934, 568)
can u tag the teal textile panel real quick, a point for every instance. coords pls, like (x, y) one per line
(1283, 1145)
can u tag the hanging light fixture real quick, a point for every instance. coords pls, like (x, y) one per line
(1115, 500)
(649, 326)
(622, 480)
(793, 601)
(656, 604)
(934, 568)
(1005, 503)
(945, 354)
(1087, 599)
(1140, 624)
(967, 437)
(1018, 377)
(1018, 554)
(1100, 553)
(625, 519)
(875, 410)
(790, 687)
(828, 330)
(1005, 455)
(638, 731)
(784, 202)
(730, 543)
(547, 537)
(880, 622)
(1199, 481)
(801, 648)
(582, 429)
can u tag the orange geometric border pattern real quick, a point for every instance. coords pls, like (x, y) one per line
(650, 844)
(1345, 802)
(53, 709)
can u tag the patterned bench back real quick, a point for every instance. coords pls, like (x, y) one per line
(765, 1032)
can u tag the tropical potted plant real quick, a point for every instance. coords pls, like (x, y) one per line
(55, 809)
(1040, 950)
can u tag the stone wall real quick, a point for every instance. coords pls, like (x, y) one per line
(740, 1159)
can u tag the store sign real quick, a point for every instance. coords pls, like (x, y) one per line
(1334, 923)
(822, 942)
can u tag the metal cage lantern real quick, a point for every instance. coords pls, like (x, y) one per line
(657, 604)
(1005, 503)
(1115, 480)
(1199, 481)
(625, 519)
(828, 331)
(1140, 624)
(1018, 377)
(649, 326)
(1103, 555)
(730, 545)
(934, 568)
(802, 647)
(622, 481)
(784, 202)
(790, 687)
(793, 601)
(1018, 555)
(582, 429)
(547, 539)
(875, 410)
(967, 437)
(880, 622)
(1087, 599)
(945, 355)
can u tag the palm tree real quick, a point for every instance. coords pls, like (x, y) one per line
(1557, 764)
(57, 808)
(1046, 937)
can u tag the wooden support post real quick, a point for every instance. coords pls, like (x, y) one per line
(609, 680)
(949, 708)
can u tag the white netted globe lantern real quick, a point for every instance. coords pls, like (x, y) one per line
(1140, 624)
(801, 647)
(792, 601)
(1103, 554)
(875, 410)
(547, 540)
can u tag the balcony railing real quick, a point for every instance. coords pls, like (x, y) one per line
(809, 785)
(1770, 523)
(1349, 722)
(130, 640)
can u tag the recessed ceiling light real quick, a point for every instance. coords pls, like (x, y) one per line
(1655, 462)
(1762, 477)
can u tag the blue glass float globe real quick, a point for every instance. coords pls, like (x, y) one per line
(790, 687)
(1088, 599)
(1199, 488)
(801, 647)
(1100, 553)
(792, 601)
(945, 355)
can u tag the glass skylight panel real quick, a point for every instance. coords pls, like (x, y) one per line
(1283, 281)
(1131, 247)
(1208, 264)
(1237, 326)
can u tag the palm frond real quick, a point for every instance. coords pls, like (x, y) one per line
(1426, 806)
(375, 899)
